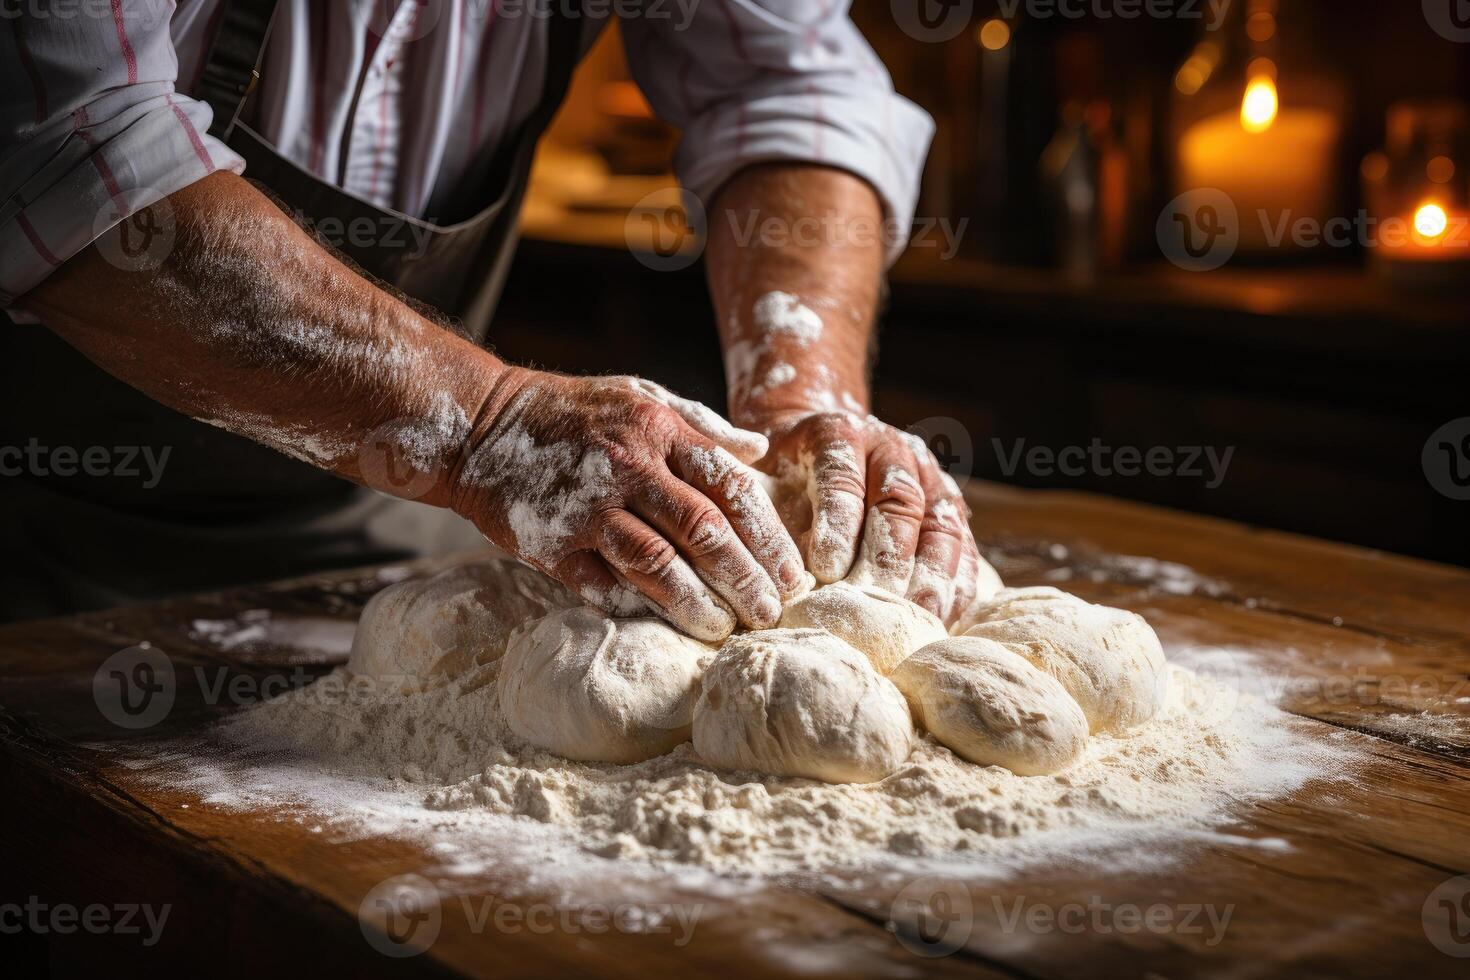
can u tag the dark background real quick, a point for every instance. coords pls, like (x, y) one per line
(1325, 380)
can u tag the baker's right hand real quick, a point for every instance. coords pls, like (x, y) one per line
(635, 499)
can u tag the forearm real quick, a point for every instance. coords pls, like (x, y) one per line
(813, 234)
(249, 324)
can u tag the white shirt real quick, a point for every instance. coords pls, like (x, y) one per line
(401, 103)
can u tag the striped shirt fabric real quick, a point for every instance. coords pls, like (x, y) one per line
(401, 102)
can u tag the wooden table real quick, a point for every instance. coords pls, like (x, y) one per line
(1379, 646)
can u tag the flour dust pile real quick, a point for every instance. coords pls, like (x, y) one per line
(427, 757)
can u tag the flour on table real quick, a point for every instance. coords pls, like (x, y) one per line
(365, 759)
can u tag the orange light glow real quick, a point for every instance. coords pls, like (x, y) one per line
(1431, 222)
(1258, 108)
(994, 34)
(1441, 170)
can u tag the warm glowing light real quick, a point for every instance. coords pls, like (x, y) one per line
(1258, 108)
(1441, 170)
(994, 34)
(1261, 27)
(1375, 167)
(1431, 222)
(1189, 79)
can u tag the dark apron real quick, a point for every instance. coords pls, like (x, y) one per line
(223, 510)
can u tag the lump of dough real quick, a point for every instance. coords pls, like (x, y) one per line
(884, 627)
(990, 706)
(596, 689)
(800, 702)
(1108, 659)
(419, 633)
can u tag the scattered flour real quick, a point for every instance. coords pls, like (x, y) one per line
(389, 764)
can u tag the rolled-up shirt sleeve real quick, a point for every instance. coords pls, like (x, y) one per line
(752, 81)
(91, 130)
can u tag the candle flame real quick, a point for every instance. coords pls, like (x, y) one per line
(1431, 222)
(1258, 108)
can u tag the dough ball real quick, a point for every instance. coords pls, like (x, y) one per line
(990, 706)
(800, 702)
(419, 633)
(884, 627)
(1108, 659)
(596, 689)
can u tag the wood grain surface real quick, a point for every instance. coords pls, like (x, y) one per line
(1357, 876)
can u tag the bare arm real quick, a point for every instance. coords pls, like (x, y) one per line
(795, 255)
(249, 324)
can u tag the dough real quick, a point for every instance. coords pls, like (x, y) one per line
(800, 702)
(884, 627)
(596, 689)
(420, 633)
(990, 706)
(1108, 659)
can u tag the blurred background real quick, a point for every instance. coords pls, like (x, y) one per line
(1237, 228)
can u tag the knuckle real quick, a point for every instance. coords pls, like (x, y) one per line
(840, 478)
(703, 529)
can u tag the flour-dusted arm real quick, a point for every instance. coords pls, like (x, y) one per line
(234, 315)
(807, 163)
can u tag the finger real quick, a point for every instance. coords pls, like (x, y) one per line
(651, 564)
(966, 591)
(590, 577)
(743, 444)
(943, 537)
(837, 485)
(738, 492)
(895, 501)
(696, 527)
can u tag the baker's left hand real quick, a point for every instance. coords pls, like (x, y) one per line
(869, 503)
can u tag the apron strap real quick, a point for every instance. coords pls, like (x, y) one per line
(230, 71)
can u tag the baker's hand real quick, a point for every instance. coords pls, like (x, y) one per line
(634, 498)
(871, 504)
